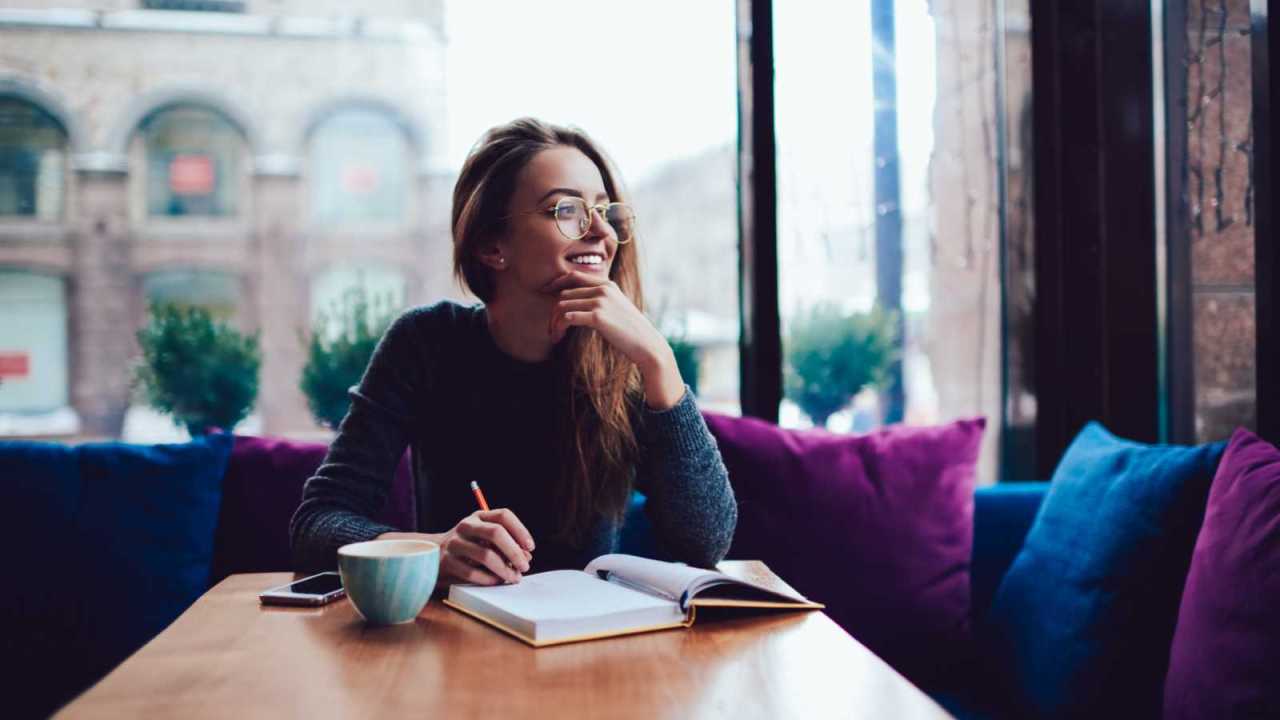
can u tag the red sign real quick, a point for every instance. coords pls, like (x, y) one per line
(191, 175)
(14, 364)
(359, 179)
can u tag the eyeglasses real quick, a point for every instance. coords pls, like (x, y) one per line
(573, 218)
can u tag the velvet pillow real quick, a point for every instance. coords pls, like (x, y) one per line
(1083, 619)
(39, 499)
(261, 491)
(1225, 661)
(123, 539)
(879, 527)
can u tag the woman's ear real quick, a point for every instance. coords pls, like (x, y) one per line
(492, 256)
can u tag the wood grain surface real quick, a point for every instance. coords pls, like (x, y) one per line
(230, 657)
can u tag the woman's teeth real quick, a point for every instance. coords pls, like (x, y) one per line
(587, 259)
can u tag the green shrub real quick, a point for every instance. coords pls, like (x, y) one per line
(342, 342)
(832, 356)
(197, 369)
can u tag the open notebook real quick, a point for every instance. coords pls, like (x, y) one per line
(615, 595)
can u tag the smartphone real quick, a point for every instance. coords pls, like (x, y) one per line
(320, 589)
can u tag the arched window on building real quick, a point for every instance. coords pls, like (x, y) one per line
(215, 290)
(358, 169)
(33, 161)
(335, 291)
(33, 346)
(194, 159)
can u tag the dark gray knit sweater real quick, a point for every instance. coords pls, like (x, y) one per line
(438, 383)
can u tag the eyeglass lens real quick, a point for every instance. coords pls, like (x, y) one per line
(573, 217)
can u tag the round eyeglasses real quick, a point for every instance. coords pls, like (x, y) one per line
(573, 218)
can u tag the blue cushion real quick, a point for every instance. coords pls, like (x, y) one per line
(1084, 617)
(39, 499)
(636, 537)
(130, 543)
(1002, 516)
(41, 492)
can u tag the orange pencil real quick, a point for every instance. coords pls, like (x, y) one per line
(479, 496)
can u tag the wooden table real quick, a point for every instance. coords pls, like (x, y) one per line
(229, 657)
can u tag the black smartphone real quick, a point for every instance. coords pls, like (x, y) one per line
(320, 589)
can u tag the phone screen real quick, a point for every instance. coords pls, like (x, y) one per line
(319, 585)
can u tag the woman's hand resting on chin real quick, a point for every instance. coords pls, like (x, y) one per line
(598, 303)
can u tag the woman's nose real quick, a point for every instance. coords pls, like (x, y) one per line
(599, 228)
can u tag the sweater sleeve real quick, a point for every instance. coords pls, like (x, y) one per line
(689, 499)
(353, 482)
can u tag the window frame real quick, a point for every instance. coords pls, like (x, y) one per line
(760, 344)
(1266, 258)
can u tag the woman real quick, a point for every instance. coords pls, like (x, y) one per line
(557, 395)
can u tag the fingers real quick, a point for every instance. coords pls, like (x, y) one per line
(584, 304)
(492, 535)
(574, 279)
(584, 292)
(561, 323)
(455, 569)
(568, 306)
(485, 558)
(581, 318)
(508, 520)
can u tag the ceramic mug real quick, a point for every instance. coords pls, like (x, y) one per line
(389, 581)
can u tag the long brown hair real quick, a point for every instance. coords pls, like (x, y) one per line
(598, 446)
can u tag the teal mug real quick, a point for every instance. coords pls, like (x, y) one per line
(389, 581)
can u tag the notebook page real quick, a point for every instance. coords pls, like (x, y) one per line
(561, 595)
(671, 578)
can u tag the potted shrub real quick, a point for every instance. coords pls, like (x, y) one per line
(196, 368)
(342, 342)
(832, 356)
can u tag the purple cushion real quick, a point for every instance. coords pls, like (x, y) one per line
(1226, 648)
(879, 527)
(261, 490)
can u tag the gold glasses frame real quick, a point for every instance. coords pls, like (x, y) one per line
(600, 208)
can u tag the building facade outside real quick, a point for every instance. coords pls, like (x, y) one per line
(259, 159)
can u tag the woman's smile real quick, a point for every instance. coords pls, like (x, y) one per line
(590, 261)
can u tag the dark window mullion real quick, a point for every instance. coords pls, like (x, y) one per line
(1096, 321)
(1181, 401)
(1267, 260)
(761, 333)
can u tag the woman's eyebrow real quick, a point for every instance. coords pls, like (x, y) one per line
(568, 191)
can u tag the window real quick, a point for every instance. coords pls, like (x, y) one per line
(689, 237)
(33, 151)
(360, 167)
(232, 6)
(193, 163)
(224, 151)
(1219, 186)
(272, 144)
(217, 291)
(667, 117)
(33, 342)
(331, 293)
(890, 216)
